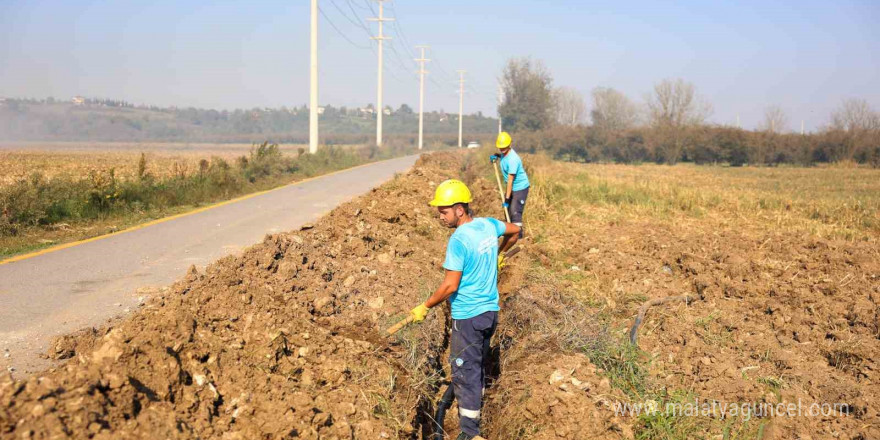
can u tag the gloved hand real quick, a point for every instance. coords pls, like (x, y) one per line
(493, 158)
(419, 313)
(505, 205)
(501, 262)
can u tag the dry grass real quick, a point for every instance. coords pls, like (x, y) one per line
(73, 191)
(572, 299)
(841, 202)
(19, 160)
(19, 165)
(569, 202)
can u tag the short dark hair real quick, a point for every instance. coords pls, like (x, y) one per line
(467, 208)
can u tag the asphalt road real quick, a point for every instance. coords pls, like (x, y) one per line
(85, 285)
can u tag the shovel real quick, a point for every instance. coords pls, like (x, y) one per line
(400, 324)
(500, 189)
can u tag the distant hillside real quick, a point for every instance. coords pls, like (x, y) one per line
(107, 120)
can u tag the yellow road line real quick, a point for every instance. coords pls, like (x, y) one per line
(165, 219)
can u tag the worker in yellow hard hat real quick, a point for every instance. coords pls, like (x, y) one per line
(471, 285)
(514, 176)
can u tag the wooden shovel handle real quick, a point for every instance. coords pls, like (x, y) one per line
(511, 252)
(396, 327)
(500, 190)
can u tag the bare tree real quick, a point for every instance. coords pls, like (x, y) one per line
(569, 106)
(675, 103)
(775, 120)
(859, 125)
(675, 108)
(612, 110)
(854, 116)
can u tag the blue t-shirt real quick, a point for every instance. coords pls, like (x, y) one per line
(473, 251)
(512, 164)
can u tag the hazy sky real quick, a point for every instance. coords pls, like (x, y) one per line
(805, 56)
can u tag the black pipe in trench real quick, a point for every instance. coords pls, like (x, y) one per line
(442, 406)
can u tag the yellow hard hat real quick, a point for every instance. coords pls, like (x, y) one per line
(451, 192)
(503, 140)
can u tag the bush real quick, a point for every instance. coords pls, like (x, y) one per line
(701, 145)
(264, 160)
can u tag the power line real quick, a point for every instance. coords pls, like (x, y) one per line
(442, 70)
(342, 34)
(408, 51)
(481, 92)
(398, 57)
(447, 76)
(441, 88)
(357, 23)
(333, 25)
(395, 76)
(370, 6)
(351, 4)
(398, 29)
(355, 14)
(354, 44)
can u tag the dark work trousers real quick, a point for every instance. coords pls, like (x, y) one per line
(469, 352)
(517, 206)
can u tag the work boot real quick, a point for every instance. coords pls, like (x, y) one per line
(464, 436)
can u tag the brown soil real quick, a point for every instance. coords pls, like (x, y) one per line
(286, 340)
(800, 315)
(282, 341)
(544, 390)
(784, 317)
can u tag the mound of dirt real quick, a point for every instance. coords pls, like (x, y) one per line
(566, 399)
(284, 341)
(544, 391)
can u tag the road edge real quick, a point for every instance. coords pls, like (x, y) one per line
(184, 214)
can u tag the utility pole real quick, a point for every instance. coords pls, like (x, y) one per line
(380, 38)
(313, 96)
(422, 73)
(802, 127)
(737, 121)
(460, 103)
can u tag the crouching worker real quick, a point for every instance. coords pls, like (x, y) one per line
(471, 285)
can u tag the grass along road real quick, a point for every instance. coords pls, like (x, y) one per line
(74, 196)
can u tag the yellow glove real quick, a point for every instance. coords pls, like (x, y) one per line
(419, 313)
(500, 261)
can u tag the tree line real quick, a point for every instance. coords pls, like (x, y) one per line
(669, 126)
(114, 120)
